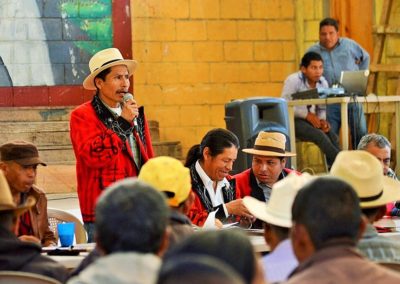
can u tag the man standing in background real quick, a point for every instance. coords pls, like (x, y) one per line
(341, 54)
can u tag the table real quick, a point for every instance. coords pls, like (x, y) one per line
(371, 104)
(69, 261)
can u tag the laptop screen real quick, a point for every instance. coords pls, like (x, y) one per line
(355, 82)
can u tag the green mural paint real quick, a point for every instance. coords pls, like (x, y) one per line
(94, 20)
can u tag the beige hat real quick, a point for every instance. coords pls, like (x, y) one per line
(278, 210)
(364, 173)
(269, 144)
(6, 200)
(104, 59)
(169, 176)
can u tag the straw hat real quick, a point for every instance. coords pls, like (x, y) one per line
(278, 210)
(364, 173)
(168, 175)
(104, 59)
(269, 144)
(6, 200)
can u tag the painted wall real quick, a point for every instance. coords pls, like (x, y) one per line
(197, 55)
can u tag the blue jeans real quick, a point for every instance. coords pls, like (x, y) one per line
(357, 122)
(89, 227)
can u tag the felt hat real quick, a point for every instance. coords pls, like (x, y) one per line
(104, 59)
(278, 210)
(269, 144)
(7, 202)
(168, 175)
(21, 152)
(363, 172)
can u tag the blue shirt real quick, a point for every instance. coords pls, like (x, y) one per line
(297, 82)
(347, 55)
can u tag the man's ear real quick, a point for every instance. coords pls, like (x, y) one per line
(303, 69)
(206, 153)
(303, 246)
(164, 242)
(363, 225)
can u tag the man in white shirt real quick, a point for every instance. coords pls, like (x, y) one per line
(276, 215)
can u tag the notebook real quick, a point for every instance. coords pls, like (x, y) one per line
(354, 82)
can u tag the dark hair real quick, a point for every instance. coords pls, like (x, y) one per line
(102, 75)
(7, 219)
(232, 247)
(308, 57)
(197, 269)
(329, 208)
(131, 216)
(281, 232)
(216, 140)
(329, 22)
(371, 212)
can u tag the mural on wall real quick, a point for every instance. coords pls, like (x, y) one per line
(50, 42)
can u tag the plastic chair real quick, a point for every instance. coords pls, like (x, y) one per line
(57, 216)
(19, 277)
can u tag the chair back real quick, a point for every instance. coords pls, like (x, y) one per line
(19, 277)
(57, 216)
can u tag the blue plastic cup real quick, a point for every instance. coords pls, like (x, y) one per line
(66, 233)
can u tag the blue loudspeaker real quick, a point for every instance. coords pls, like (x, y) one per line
(247, 117)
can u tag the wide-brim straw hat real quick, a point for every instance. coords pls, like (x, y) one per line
(278, 210)
(364, 173)
(7, 202)
(104, 59)
(269, 144)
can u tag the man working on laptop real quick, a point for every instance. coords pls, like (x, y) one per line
(341, 54)
(310, 121)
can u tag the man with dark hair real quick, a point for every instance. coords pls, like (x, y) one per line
(19, 162)
(131, 232)
(17, 255)
(310, 121)
(364, 173)
(110, 135)
(327, 223)
(276, 217)
(341, 54)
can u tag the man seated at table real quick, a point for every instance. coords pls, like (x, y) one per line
(310, 121)
(267, 167)
(131, 233)
(327, 222)
(277, 219)
(19, 161)
(17, 255)
(364, 173)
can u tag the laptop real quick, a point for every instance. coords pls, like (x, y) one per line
(354, 82)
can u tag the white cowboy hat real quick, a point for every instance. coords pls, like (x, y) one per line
(7, 202)
(104, 59)
(364, 173)
(269, 144)
(278, 210)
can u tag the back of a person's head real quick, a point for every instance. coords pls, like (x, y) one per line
(329, 209)
(308, 57)
(131, 216)
(195, 269)
(232, 247)
(216, 140)
(329, 22)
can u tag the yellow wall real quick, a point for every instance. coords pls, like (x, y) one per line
(196, 55)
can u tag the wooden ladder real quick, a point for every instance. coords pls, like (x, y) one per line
(381, 31)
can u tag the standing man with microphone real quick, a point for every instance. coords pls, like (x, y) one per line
(110, 135)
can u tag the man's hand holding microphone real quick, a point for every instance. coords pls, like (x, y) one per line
(130, 109)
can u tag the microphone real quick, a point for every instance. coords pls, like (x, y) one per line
(127, 97)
